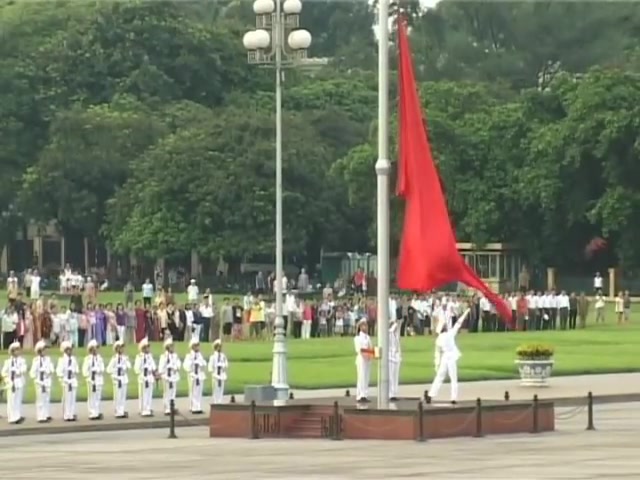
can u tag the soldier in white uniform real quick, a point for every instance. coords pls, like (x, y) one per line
(93, 372)
(218, 366)
(446, 358)
(195, 365)
(67, 372)
(145, 368)
(395, 358)
(364, 352)
(41, 372)
(13, 371)
(118, 369)
(169, 370)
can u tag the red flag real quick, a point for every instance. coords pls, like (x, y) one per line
(429, 257)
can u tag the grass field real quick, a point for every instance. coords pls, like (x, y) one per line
(326, 363)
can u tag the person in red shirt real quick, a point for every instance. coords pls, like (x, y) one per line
(358, 281)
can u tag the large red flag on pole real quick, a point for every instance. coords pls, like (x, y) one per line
(429, 257)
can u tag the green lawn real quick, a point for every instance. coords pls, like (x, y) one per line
(326, 363)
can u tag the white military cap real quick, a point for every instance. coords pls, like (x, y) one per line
(143, 343)
(217, 342)
(168, 342)
(41, 345)
(362, 321)
(118, 343)
(92, 344)
(14, 346)
(65, 345)
(194, 341)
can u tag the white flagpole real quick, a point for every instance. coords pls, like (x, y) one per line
(383, 168)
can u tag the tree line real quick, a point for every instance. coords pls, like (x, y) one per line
(141, 125)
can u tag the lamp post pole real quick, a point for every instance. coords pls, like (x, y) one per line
(278, 42)
(383, 168)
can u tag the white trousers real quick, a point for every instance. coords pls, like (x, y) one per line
(94, 399)
(447, 368)
(120, 329)
(168, 394)
(363, 371)
(14, 404)
(145, 397)
(195, 395)
(69, 402)
(196, 330)
(119, 399)
(394, 378)
(306, 329)
(218, 391)
(43, 403)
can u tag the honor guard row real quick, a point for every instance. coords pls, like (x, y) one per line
(166, 372)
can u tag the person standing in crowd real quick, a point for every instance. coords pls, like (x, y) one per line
(573, 310)
(226, 317)
(202, 324)
(121, 321)
(597, 283)
(76, 309)
(67, 372)
(564, 305)
(195, 365)
(583, 309)
(236, 332)
(145, 368)
(118, 370)
(93, 372)
(27, 283)
(169, 370)
(303, 281)
(364, 353)
(193, 292)
(261, 286)
(9, 325)
(290, 313)
(41, 373)
(395, 359)
(600, 304)
(13, 371)
(147, 293)
(129, 291)
(627, 306)
(218, 366)
(35, 286)
(447, 355)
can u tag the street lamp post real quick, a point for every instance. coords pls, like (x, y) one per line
(278, 42)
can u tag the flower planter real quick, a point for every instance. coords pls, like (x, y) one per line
(535, 373)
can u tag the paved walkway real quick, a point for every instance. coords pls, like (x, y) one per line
(569, 454)
(565, 390)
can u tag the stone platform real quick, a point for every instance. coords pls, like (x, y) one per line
(341, 418)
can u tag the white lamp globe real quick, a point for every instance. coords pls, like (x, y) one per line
(299, 40)
(262, 39)
(249, 40)
(263, 7)
(292, 7)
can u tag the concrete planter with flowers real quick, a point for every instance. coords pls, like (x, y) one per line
(535, 363)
